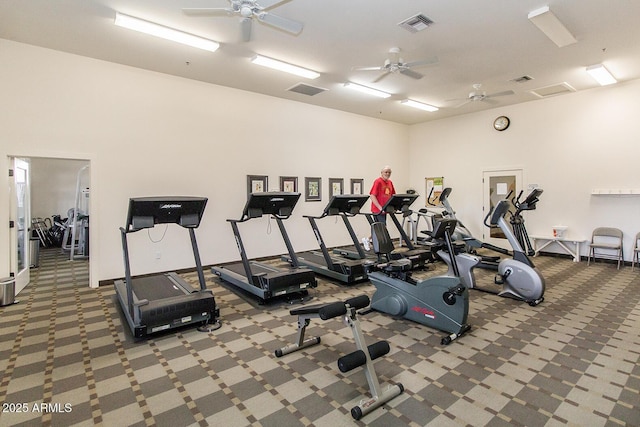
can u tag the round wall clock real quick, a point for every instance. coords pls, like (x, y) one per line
(501, 123)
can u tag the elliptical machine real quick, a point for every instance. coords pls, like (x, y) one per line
(463, 234)
(440, 302)
(518, 275)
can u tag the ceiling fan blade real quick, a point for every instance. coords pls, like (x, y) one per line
(506, 92)
(285, 24)
(410, 73)
(207, 11)
(463, 103)
(423, 62)
(382, 76)
(489, 100)
(245, 27)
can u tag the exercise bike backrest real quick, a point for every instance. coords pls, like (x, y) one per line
(382, 243)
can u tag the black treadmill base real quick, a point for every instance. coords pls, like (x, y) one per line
(286, 300)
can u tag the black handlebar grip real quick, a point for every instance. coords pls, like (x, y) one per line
(332, 310)
(358, 302)
(352, 361)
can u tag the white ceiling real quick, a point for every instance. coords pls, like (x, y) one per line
(476, 41)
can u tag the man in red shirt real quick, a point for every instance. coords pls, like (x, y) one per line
(381, 191)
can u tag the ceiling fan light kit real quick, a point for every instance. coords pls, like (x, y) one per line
(285, 67)
(166, 33)
(247, 10)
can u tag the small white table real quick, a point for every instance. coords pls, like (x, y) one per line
(563, 242)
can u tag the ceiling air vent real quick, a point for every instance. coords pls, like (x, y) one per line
(306, 89)
(553, 90)
(522, 79)
(416, 23)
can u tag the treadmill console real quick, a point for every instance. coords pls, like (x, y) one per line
(145, 212)
(276, 203)
(400, 202)
(345, 203)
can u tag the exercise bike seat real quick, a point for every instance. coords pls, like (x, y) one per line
(382, 245)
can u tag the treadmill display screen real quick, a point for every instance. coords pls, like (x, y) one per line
(270, 203)
(347, 203)
(145, 212)
(400, 202)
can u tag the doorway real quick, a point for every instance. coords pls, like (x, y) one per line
(498, 185)
(53, 184)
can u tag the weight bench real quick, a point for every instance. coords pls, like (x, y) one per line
(363, 356)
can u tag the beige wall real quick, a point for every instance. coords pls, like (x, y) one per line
(149, 134)
(153, 134)
(567, 145)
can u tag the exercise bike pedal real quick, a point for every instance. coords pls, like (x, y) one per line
(498, 279)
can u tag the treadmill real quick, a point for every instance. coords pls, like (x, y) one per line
(159, 302)
(263, 280)
(398, 203)
(321, 262)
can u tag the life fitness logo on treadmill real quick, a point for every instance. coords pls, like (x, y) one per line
(171, 206)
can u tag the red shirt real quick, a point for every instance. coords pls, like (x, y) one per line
(383, 190)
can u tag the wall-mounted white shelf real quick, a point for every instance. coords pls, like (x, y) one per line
(615, 191)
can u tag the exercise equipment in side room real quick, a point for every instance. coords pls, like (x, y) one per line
(260, 279)
(321, 262)
(159, 302)
(363, 356)
(439, 302)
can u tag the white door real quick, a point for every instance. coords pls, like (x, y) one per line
(498, 185)
(20, 219)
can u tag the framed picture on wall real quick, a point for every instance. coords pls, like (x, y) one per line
(257, 183)
(289, 184)
(357, 186)
(312, 189)
(433, 189)
(336, 186)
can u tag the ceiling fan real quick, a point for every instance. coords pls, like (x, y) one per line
(247, 10)
(395, 64)
(480, 95)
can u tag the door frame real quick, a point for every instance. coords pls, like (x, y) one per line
(518, 173)
(20, 275)
(94, 235)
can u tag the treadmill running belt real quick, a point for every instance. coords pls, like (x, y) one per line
(155, 288)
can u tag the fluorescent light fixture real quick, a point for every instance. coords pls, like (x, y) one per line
(601, 75)
(367, 90)
(283, 66)
(167, 33)
(551, 26)
(419, 105)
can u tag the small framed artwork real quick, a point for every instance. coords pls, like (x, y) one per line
(312, 189)
(257, 183)
(289, 184)
(336, 186)
(357, 186)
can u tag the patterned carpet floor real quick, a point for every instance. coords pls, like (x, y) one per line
(67, 358)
